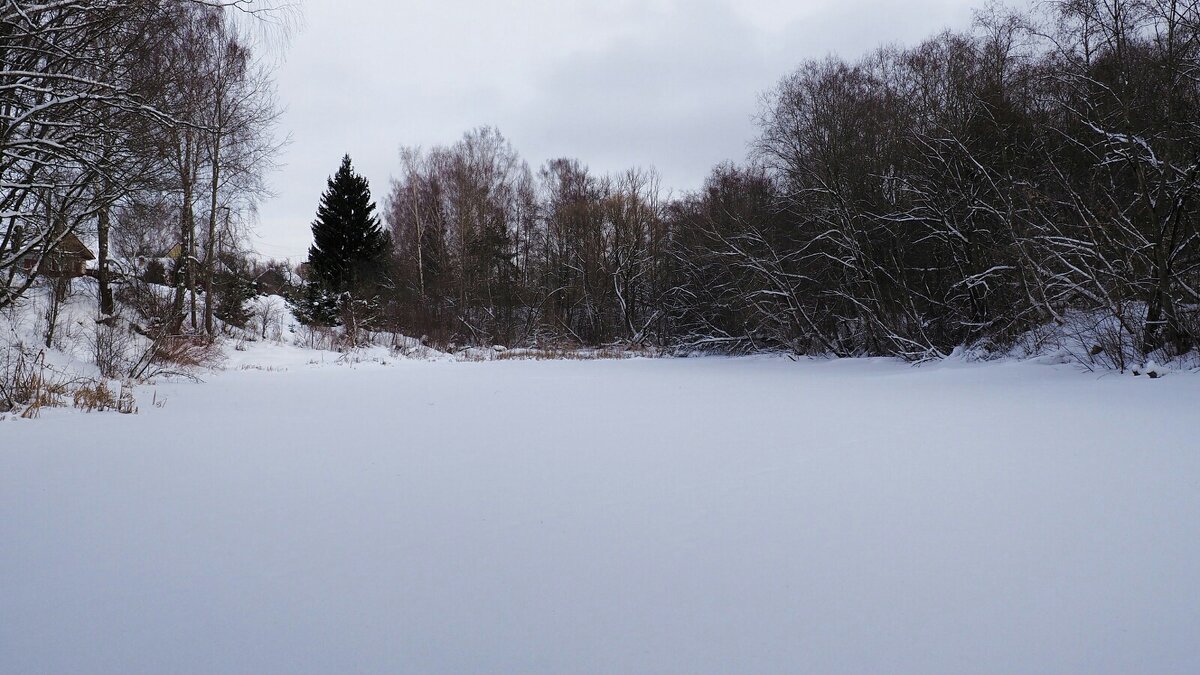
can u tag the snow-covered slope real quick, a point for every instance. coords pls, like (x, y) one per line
(25, 326)
(686, 515)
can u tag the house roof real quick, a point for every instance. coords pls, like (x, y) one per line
(71, 245)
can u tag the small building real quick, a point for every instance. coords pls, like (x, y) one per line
(271, 282)
(67, 260)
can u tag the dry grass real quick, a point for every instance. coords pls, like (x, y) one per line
(95, 397)
(28, 384)
(264, 369)
(45, 394)
(566, 354)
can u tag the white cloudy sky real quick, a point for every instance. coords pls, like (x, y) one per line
(666, 83)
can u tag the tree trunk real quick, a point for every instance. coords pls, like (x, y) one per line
(107, 307)
(209, 246)
(187, 228)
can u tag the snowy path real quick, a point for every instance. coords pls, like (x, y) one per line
(608, 517)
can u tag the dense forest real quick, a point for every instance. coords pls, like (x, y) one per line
(1034, 176)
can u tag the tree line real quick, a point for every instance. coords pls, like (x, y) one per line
(1032, 177)
(1036, 175)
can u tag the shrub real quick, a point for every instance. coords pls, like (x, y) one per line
(112, 343)
(186, 351)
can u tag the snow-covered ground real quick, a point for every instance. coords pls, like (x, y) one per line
(657, 516)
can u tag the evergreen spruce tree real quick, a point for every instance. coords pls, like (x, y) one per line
(349, 247)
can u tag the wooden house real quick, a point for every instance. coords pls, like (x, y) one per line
(67, 260)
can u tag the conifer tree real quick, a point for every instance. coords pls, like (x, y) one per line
(347, 238)
(349, 246)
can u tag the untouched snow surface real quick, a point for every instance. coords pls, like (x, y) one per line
(687, 516)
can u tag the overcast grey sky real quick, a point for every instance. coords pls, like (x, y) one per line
(672, 84)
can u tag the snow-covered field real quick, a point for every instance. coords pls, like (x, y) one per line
(648, 516)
